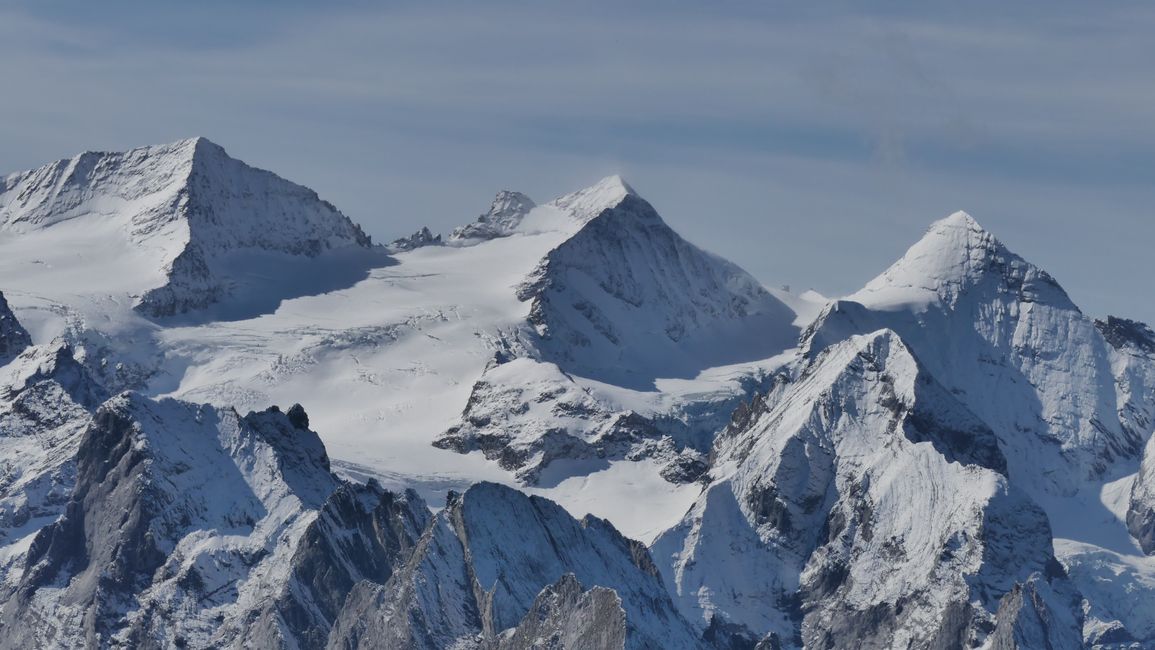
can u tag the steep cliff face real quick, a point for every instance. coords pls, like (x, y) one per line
(189, 525)
(565, 616)
(858, 504)
(504, 216)
(13, 337)
(1003, 335)
(482, 566)
(177, 508)
(46, 401)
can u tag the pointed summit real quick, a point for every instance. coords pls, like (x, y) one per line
(956, 254)
(175, 210)
(959, 219)
(586, 204)
(202, 148)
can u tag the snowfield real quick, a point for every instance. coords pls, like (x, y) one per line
(559, 421)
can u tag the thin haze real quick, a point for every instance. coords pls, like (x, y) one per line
(811, 148)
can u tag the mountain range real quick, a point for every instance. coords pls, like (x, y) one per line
(230, 419)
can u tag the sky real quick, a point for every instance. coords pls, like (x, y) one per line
(810, 145)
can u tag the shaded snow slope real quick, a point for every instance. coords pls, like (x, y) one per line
(627, 300)
(618, 311)
(857, 504)
(1004, 336)
(167, 219)
(1069, 399)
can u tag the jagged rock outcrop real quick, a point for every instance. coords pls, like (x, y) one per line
(502, 219)
(183, 517)
(188, 205)
(192, 526)
(481, 566)
(421, 238)
(362, 533)
(1141, 506)
(525, 415)
(1123, 333)
(566, 617)
(46, 401)
(13, 337)
(893, 478)
(861, 505)
(1036, 615)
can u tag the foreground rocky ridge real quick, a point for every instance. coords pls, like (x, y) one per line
(171, 524)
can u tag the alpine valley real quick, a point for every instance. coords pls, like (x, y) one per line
(230, 420)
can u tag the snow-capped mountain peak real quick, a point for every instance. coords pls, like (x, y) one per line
(166, 217)
(588, 203)
(954, 255)
(626, 292)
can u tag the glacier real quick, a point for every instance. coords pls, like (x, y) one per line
(559, 425)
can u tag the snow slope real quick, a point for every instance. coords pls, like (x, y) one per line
(385, 349)
(1002, 334)
(954, 456)
(857, 503)
(164, 222)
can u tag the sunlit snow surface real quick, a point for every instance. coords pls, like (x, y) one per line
(383, 356)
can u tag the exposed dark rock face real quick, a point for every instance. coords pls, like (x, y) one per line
(564, 617)
(46, 402)
(190, 526)
(298, 417)
(815, 513)
(1141, 508)
(1123, 333)
(175, 507)
(482, 565)
(362, 533)
(504, 215)
(14, 339)
(528, 425)
(1036, 616)
(102, 547)
(421, 238)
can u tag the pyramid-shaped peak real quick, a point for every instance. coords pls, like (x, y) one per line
(588, 203)
(957, 252)
(957, 234)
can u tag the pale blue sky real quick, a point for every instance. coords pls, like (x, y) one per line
(811, 147)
